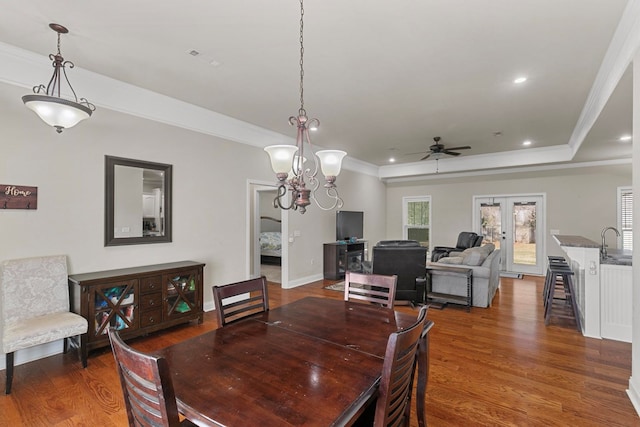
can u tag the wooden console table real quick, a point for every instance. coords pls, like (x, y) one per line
(137, 300)
(464, 273)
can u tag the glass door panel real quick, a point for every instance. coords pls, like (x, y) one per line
(514, 224)
(524, 223)
(181, 294)
(115, 306)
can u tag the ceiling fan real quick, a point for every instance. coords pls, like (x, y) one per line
(438, 150)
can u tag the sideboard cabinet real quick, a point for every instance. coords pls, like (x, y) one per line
(138, 300)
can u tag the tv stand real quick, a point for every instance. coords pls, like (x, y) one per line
(338, 257)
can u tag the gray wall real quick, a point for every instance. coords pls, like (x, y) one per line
(579, 201)
(210, 199)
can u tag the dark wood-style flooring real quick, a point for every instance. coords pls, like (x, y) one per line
(492, 367)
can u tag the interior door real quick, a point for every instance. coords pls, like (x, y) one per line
(515, 224)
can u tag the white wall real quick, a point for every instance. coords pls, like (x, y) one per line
(209, 197)
(579, 201)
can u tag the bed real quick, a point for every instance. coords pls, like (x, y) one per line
(270, 241)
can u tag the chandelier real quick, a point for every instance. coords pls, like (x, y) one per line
(287, 161)
(46, 102)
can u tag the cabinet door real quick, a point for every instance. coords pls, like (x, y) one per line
(182, 293)
(113, 304)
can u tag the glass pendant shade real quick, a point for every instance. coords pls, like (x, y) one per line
(57, 112)
(331, 161)
(281, 157)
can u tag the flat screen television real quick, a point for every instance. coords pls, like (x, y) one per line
(349, 224)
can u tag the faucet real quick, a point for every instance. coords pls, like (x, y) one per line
(603, 250)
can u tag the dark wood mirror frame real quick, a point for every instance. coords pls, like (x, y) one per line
(110, 166)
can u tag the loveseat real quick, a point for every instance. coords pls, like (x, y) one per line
(485, 263)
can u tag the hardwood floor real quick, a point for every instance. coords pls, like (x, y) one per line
(492, 367)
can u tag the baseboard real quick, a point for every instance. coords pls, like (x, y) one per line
(32, 353)
(634, 395)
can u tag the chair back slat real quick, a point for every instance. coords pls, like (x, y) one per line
(373, 288)
(146, 384)
(394, 394)
(236, 301)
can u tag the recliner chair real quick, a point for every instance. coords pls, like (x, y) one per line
(466, 240)
(406, 259)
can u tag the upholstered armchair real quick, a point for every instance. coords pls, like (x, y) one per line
(406, 259)
(466, 240)
(34, 307)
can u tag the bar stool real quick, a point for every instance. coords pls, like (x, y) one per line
(566, 286)
(553, 261)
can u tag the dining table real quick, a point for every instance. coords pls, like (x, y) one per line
(312, 362)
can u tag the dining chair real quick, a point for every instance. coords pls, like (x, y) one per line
(374, 288)
(251, 297)
(393, 405)
(146, 385)
(34, 307)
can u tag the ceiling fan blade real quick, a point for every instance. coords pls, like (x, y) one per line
(413, 154)
(426, 157)
(466, 147)
(451, 153)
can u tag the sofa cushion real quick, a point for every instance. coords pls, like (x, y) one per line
(477, 255)
(451, 260)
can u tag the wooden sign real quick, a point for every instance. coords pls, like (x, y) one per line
(18, 197)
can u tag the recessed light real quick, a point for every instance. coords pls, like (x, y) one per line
(392, 160)
(527, 142)
(625, 138)
(520, 80)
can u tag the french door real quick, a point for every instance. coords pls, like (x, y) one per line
(515, 225)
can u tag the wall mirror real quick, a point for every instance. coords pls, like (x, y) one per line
(137, 202)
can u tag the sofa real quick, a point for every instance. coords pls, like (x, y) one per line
(466, 239)
(485, 263)
(408, 260)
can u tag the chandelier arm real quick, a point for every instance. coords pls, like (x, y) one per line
(332, 193)
(64, 71)
(277, 201)
(316, 161)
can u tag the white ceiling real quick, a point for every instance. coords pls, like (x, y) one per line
(383, 77)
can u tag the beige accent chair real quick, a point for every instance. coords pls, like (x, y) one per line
(34, 307)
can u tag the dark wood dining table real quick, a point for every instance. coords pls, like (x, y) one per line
(313, 362)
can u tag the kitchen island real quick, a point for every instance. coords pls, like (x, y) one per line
(603, 287)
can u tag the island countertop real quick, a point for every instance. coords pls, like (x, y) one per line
(575, 241)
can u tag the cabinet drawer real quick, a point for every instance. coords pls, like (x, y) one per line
(150, 301)
(150, 318)
(150, 284)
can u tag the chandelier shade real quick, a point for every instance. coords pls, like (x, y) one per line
(57, 112)
(281, 157)
(288, 161)
(331, 161)
(46, 102)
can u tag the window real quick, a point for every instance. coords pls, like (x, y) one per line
(416, 219)
(625, 216)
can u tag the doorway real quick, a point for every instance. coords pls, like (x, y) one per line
(268, 254)
(515, 224)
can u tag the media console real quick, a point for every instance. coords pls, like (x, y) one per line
(338, 257)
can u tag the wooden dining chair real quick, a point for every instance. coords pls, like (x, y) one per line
(147, 387)
(251, 297)
(374, 288)
(393, 405)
